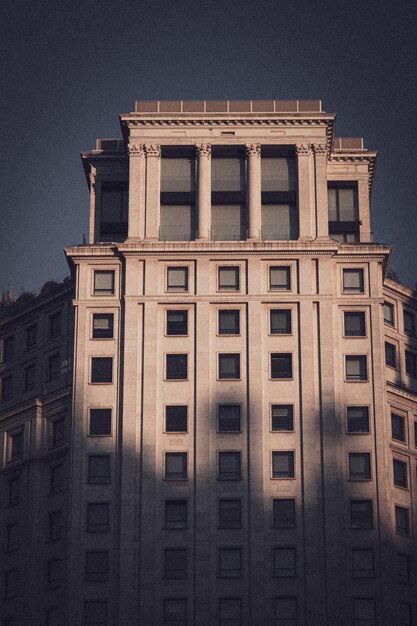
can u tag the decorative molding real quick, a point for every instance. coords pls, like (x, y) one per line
(319, 148)
(93, 183)
(203, 150)
(253, 150)
(136, 150)
(358, 158)
(153, 150)
(303, 149)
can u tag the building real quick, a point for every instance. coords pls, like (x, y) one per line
(244, 397)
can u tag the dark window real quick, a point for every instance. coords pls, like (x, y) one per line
(285, 611)
(31, 336)
(279, 221)
(103, 326)
(355, 324)
(282, 417)
(96, 566)
(404, 568)
(177, 220)
(280, 278)
(176, 466)
(54, 525)
(283, 513)
(30, 377)
(175, 612)
(229, 322)
(389, 313)
(357, 419)
(283, 465)
(176, 366)
(400, 473)
(56, 479)
(361, 514)
(364, 612)
(284, 562)
(175, 563)
(177, 202)
(177, 322)
(7, 388)
(397, 427)
(229, 278)
(229, 466)
(353, 281)
(356, 367)
(102, 369)
(409, 322)
(99, 469)
(230, 612)
(55, 325)
(280, 321)
(278, 196)
(230, 563)
(98, 517)
(114, 211)
(229, 418)
(58, 433)
(411, 363)
(14, 490)
(95, 613)
(16, 446)
(8, 348)
(104, 282)
(363, 563)
(176, 419)
(229, 366)
(177, 279)
(343, 212)
(402, 520)
(12, 537)
(359, 466)
(100, 422)
(10, 584)
(228, 197)
(390, 354)
(281, 366)
(53, 573)
(54, 366)
(175, 514)
(230, 513)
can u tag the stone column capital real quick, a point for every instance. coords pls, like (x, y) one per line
(253, 150)
(153, 150)
(136, 150)
(203, 150)
(303, 149)
(319, 148)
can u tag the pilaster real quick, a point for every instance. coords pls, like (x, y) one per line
(95, 203)
(305, 191)
(364, 217)
(137, 173)
(153, 162)
(253, 153)
(322, 211)
(203, 152)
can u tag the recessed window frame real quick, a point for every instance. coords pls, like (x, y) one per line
(292, 523)
(349, 270)
(285, 286)
(168, 619)
(225, 287)
(102, 358)
(389, 318)
(177, 288)
(400, 472)
(292, 461)
(358, 432)
(96, 574)
(187, 366)
(360, 379)
(55, 325)
(394, 413)
(102, 315)
(94, 527)
(238, 361)
(291, 415)
(175, 574)
(363, 331)
(229, 573)
(182, 522)
(284, 572)
(410, 363)
(409, 329)
(103, 292)
(233, 312)
(233, 523)
(356, 477)
(99, 479)
(404, 530)
(99, 408)
(177, 476)
(273, 355)
(187, 412)
(218, 421)
(288, 328)
(168, 329)
(369, 510)
(356, 572)
(229, 476)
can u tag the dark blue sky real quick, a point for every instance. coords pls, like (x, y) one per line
(69, 67)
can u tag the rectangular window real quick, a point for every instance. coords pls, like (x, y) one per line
(228, 418)
(409, 322)
(13, 491)
(228, 278)
(100, 422)
(102, 369)
(95, 613)
(10, 584)
(389, 313)
(177, 174)
(281, 366)
(53, 573)
(229, 322)
(228, 222)
(99, 469)
(359, 466)
(114, 211)
(400, 473)
(363, 563)
(230, 563)
(56, 479)
(176, 419)
(390, 354)
(284, 562)
(54, 366)
(15, 446)
(177, 221)
(103, 326)
(285, 611)
(228, 197)
(402, 520)
(30, 377)
(357, 419)
(229, 366)
(355, 324)
(175, 563)
(6, 388)
(364, 612)
(279, 222)
(230, 612)
(177, 278)
(278, 196)
(343, 203)
(54, 525)
(282, 418)
(283, 513)
(397, 427)
(8, 349)
(175, 514)
(361, 514)
(96, 566)
(176, 466)
(280, 321)
(283, 464)
(353, 281)
(103, 282)
(55, 325)
(177, 206)
(230, 514)
(98, 517)
(280, 278)
(404, 568)
(176, 367)
(177, 322)
(58, 433)
(411, 363)
(278, 173)
(356, 367)
(12, 537)
(230, 466)
(175, 612)
(31, 336)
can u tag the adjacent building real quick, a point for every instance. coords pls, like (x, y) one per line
(242, 442)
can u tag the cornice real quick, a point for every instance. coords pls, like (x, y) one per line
(366, 157)
(402, 392)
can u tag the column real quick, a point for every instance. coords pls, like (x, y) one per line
(203, 152)
(95, 202)
(364, 217)
(153, 159)
(322, 209)
(136, 218)
(253, 154)
(305, 192)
